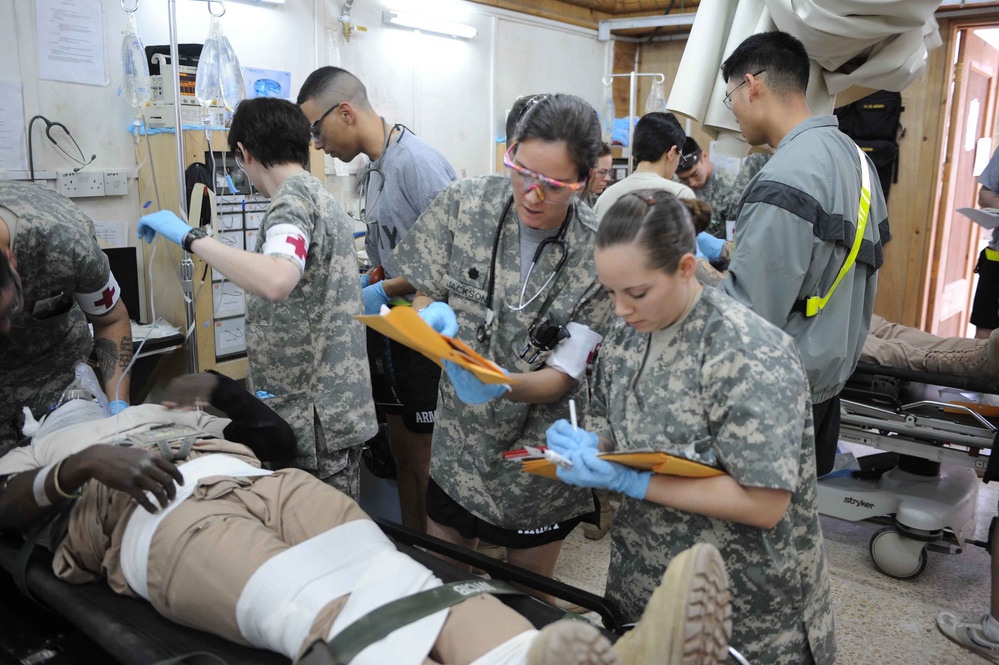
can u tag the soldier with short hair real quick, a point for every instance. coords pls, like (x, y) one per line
(54, 280)
(691, 372)
(302, 292)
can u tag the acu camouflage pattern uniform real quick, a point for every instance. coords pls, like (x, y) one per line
(446, 256)
(57, 256)
(307, 349)
(728, 390)
(722, 193)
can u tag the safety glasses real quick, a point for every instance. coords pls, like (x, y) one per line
(549, 190)
(238, 156)
(687, 162)
(316, 128)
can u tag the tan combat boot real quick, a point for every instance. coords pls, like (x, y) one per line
(571, 642)
(981, 358)
(688, 619)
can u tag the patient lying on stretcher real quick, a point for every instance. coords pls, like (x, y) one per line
(279, 560)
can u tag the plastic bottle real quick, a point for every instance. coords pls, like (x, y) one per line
(135, 84)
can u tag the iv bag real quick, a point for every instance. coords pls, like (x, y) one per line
(134, 69)
(206, 82)
(230, 74)
(656, 101)
(607, 114)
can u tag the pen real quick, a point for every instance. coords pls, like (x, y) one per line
(558, 460)
(572, 415)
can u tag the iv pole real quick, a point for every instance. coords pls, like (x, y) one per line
(186, 264)
(632, 93)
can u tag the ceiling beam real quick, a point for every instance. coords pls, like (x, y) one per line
(604, 28)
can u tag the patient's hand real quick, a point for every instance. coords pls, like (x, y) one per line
(131, 470)
(190, 392)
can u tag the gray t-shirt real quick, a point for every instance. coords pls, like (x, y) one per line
(412, 175)
(990, 180)
(529, 241)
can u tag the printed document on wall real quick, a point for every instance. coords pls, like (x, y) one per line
(13, 156)
(70, 38)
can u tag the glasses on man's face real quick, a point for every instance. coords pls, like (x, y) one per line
(728, 98)
(316, 128)
(549, 190)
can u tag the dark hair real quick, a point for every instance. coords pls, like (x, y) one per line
(655, 220)
(655, 134)
(700, 214)
(690, 147)
(780, 55)
(604, 150)
(567, 119)
(274, 131)
(514, 116)
(334, 85)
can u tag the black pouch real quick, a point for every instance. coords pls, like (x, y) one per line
(377, 455)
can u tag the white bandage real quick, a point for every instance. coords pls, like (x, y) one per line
(571, 354)
(281, 599)
(38, 487)
(99, 302)
(289, 241)
(512, 652)
(142, 524)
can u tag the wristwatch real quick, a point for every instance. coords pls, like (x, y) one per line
(191, 236)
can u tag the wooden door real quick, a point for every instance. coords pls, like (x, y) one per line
(956, 244)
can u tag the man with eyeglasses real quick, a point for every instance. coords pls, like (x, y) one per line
(54, 280)
(403, 178)
(600, 176)
(658, 140)
(798, 222)
(716, 187)
(302, 341)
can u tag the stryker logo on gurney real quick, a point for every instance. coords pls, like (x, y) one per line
(857, 502)
(474, 588)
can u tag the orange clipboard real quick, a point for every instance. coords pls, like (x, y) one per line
(643, 460)
(405, 326)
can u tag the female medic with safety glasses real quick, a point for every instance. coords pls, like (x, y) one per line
(506, 265)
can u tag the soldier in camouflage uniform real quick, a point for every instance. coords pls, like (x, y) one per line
(54, 279)
(691, 372)
(476, 242)
(718, 187)
(302, 292)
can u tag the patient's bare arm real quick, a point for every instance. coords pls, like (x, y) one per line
(131, 470)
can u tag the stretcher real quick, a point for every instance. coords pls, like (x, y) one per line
(131, 632)
(937, 432)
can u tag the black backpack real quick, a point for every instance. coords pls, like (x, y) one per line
(874, 123)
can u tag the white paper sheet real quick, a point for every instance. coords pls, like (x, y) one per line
(70, 38)
(986, 220)
(112, 234)
(13, 156)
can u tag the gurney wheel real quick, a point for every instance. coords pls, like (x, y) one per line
(897, 556)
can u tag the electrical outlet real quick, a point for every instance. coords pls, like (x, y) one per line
(79, 184)
(115, 183)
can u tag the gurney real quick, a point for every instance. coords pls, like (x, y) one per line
(131, 632)
(937, 432)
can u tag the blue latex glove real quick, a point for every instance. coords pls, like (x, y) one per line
(709, 245)
(365, 280)
(117, 405)
(374, 298)
(441, 318)
(165, 223)
(561, 438)
(588, 470)
(468, 388)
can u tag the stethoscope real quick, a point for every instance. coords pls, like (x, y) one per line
(482, 333)
(375, 167)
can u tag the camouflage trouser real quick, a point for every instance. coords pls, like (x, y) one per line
(347, 477)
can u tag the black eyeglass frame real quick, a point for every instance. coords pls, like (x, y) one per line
(727, 101)
(315, 129)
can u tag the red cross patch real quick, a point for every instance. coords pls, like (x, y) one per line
(107, 298)
(298, 242)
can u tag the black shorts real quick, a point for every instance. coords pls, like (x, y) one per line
(985, 309)
(403, 382)
(444, 510)
(826, 417)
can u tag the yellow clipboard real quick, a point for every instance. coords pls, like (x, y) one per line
(405, 326)
(658, 462)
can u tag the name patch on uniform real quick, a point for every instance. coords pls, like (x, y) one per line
(99, 302)
(464, 290)
(288, 241)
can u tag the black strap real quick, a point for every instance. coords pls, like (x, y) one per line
(194, 658)
(379, 623)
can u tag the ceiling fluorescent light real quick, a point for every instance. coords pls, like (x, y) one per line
(428, 24)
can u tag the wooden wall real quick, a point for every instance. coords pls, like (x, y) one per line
(902, 279)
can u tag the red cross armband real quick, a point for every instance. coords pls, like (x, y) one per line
(99, 302)
(288, 241)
